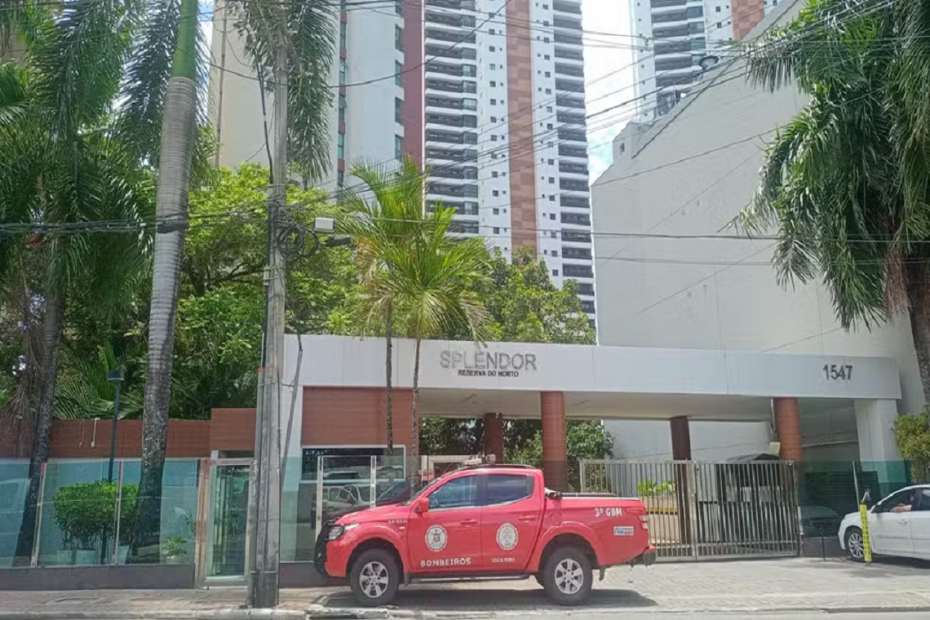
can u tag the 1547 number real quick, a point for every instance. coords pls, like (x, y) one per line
(837, 372)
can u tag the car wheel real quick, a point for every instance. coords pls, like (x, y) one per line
(375, 578)
(855, 545)
(567, 576)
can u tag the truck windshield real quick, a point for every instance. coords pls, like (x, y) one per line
(423, 489)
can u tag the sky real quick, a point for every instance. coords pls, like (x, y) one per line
(608, 75)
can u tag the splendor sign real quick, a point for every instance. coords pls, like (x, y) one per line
(487, 363)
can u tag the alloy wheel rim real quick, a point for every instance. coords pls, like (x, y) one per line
(374, 579)
(855, 545)
(569, 578)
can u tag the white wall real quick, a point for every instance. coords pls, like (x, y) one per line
(651, 440)
(713, 294)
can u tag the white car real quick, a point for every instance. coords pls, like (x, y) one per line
(899, 525)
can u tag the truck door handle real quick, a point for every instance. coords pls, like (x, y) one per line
(527, 518)
(469, 522)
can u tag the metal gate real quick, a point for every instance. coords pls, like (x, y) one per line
(708, 510)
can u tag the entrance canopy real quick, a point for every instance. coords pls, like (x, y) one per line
(469, 380)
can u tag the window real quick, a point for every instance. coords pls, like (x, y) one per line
(469, 70)
(491, 48)
(924, 501)
(546, 57)
(457, 493)
(469, 104)
(555, 273)
(342, 72)
(504, 489)
(493, 83)
(341, 146)
(491, 31)
(548, 74)
(496, 211)
(398, 110)
(342, 36)
(545, 22)
(718, 9)
(494, 174)
(398, 71)
(398, 148)
(397, 8)
(552, 216)
(548, 108)
(551, 162)
(493, 119)
(552, 179)
(341, 178)
(719, 24)
(555, 253)
(493, 137)
(492, 66)
(342, 109)
(495, 193)
(497, 230)
(551, 197)
(347, 457)
(548, 91)
(493, 101)
(398, 38)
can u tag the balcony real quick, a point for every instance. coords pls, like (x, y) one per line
(576, 236)
(587, 306)
(451, 154)
(577, 271)
(567, 38)
(576, 253)
(450, 137)
(584, 288)
(450, 86)
(455, 172)
(574, 202)
(578, 120)
(682, 79)
(435, 101)
(451, 121)
(571, 168)
(449, 36)
(576, 219)
(567, 101)
(567, 22)
(460, 208)
(448, 69)
(458, 53)
(571, 135)
(450, 19)
(572, 70)
(456, 191)
(668, 32)
(661, 4)
(460, 5)
(465, 228)
(569, 85)
(569, 54)
(567, 7)
(677, 62)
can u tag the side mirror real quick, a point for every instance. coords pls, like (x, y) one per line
(422, 506)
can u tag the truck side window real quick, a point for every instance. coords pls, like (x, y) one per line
(458, 493)
(504, 489)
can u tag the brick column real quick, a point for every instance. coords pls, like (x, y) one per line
(681, 439)
(555, 452)
(494, 436)
(788, 425)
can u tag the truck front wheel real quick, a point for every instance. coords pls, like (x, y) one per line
(567, 576)
(375, 578)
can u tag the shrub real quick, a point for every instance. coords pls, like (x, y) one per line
(85, 513)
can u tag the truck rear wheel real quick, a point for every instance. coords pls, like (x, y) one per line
(567, 576)
(374, 578)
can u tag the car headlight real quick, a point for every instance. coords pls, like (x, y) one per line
(338, 530)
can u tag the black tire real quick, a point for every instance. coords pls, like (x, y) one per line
(567, 576)
(380, 565)
(854, 544)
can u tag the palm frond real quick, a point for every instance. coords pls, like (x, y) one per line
(13, 99)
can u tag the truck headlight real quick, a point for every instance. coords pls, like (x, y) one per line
(338, 530)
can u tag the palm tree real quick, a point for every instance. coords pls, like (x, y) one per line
(432, 278)
(389, 218)
(845, 183)
(165, 61)
(62, 170)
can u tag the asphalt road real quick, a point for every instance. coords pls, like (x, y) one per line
(801, 615)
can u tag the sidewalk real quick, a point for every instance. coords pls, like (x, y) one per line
(764, 585)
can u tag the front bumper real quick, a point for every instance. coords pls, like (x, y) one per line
(648, 557)
(319, 550)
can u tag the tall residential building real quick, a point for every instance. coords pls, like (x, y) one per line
(488, 93)
(675, 36)
(505, 128)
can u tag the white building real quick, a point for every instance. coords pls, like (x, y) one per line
(677, 37)
(688, 175)
(488, 93)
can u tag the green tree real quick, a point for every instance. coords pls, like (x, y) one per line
(912, 434)
(585, 440)
(845, 183)
(383, 223)
(62, 169)
(430, 277)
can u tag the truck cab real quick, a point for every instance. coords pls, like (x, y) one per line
(485, 522)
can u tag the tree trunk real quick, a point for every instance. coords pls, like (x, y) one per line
(389, 390)
(177, 148)
(415, 410)
(51, 342)
(918, 294)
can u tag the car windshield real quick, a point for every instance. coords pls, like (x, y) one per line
(421, 491)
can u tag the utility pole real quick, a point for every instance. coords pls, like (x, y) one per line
(265, 490)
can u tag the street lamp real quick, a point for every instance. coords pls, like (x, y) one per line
(114, 377)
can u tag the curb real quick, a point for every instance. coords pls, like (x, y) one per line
(168, 614)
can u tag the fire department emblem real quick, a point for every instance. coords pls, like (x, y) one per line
(507, 537)
(436, 538)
